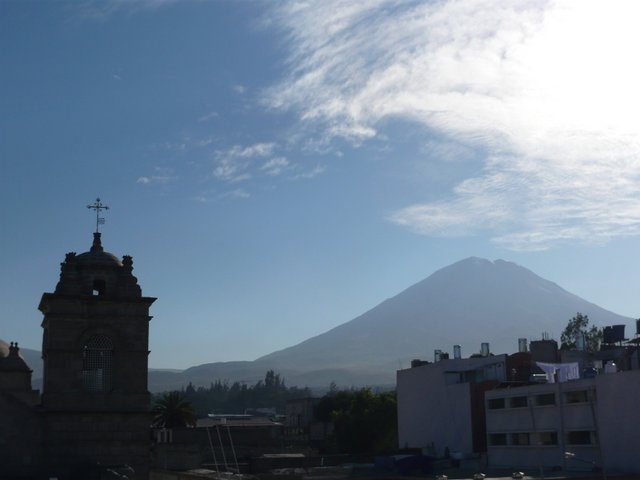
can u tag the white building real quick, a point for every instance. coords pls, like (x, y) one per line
(441, 404)
(596, 420)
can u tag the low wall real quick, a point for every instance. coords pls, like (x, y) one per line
(169, 475)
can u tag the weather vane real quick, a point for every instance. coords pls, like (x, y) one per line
(97, 206)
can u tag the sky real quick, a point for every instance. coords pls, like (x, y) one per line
(277, 168)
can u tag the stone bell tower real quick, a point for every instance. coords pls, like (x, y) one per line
(95, 349)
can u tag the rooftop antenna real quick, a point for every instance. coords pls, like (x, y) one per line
(97, 206)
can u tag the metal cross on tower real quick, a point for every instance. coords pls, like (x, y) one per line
(97, 206)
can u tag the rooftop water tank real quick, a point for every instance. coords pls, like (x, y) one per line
(613, 334)
(522, 345)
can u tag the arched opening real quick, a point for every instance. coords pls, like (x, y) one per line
(99, 286)
(97, 364)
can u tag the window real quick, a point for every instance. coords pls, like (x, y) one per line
(519, 439)
(471, 376)
(497, 439)
(518, 402)
(579, 396)
(97, 359)
(495, 403)
(547, 438)
(545, 399)
(581, 437)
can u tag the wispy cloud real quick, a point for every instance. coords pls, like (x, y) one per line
(208, 116)
(528, 82)
(162, 175)
(314, 172)
(235, 163)
(256, 150)
(212, 196)
(275, 166)
(103, 9)
(231, 170)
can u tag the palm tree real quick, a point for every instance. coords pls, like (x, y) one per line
(173, 411)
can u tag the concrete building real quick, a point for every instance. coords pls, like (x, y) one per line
(503, 405)
(441, 404)
(596, 420)
(94, 408)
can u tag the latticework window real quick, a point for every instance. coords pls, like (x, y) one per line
(97, 363)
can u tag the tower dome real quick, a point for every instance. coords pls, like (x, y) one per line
(97, 272)
(96, 254)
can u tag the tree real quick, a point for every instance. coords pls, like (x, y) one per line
(222, 397)
(363, 421)
(173, 411)
(579, 326)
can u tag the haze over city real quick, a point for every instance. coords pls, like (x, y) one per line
(277, 168)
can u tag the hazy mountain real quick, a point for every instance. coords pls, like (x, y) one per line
(469, 302)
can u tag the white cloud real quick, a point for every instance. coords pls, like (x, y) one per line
(229, 169)
(256, 150)
(203, 142)
(162, 175)
(547, 88)
(208, 116)
(213, 196)
(103, 9)
(314, 172)
(234, 164)
(275, 166)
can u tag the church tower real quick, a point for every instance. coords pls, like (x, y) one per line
(95, 349)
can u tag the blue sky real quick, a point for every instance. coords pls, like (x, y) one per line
(278, 168)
